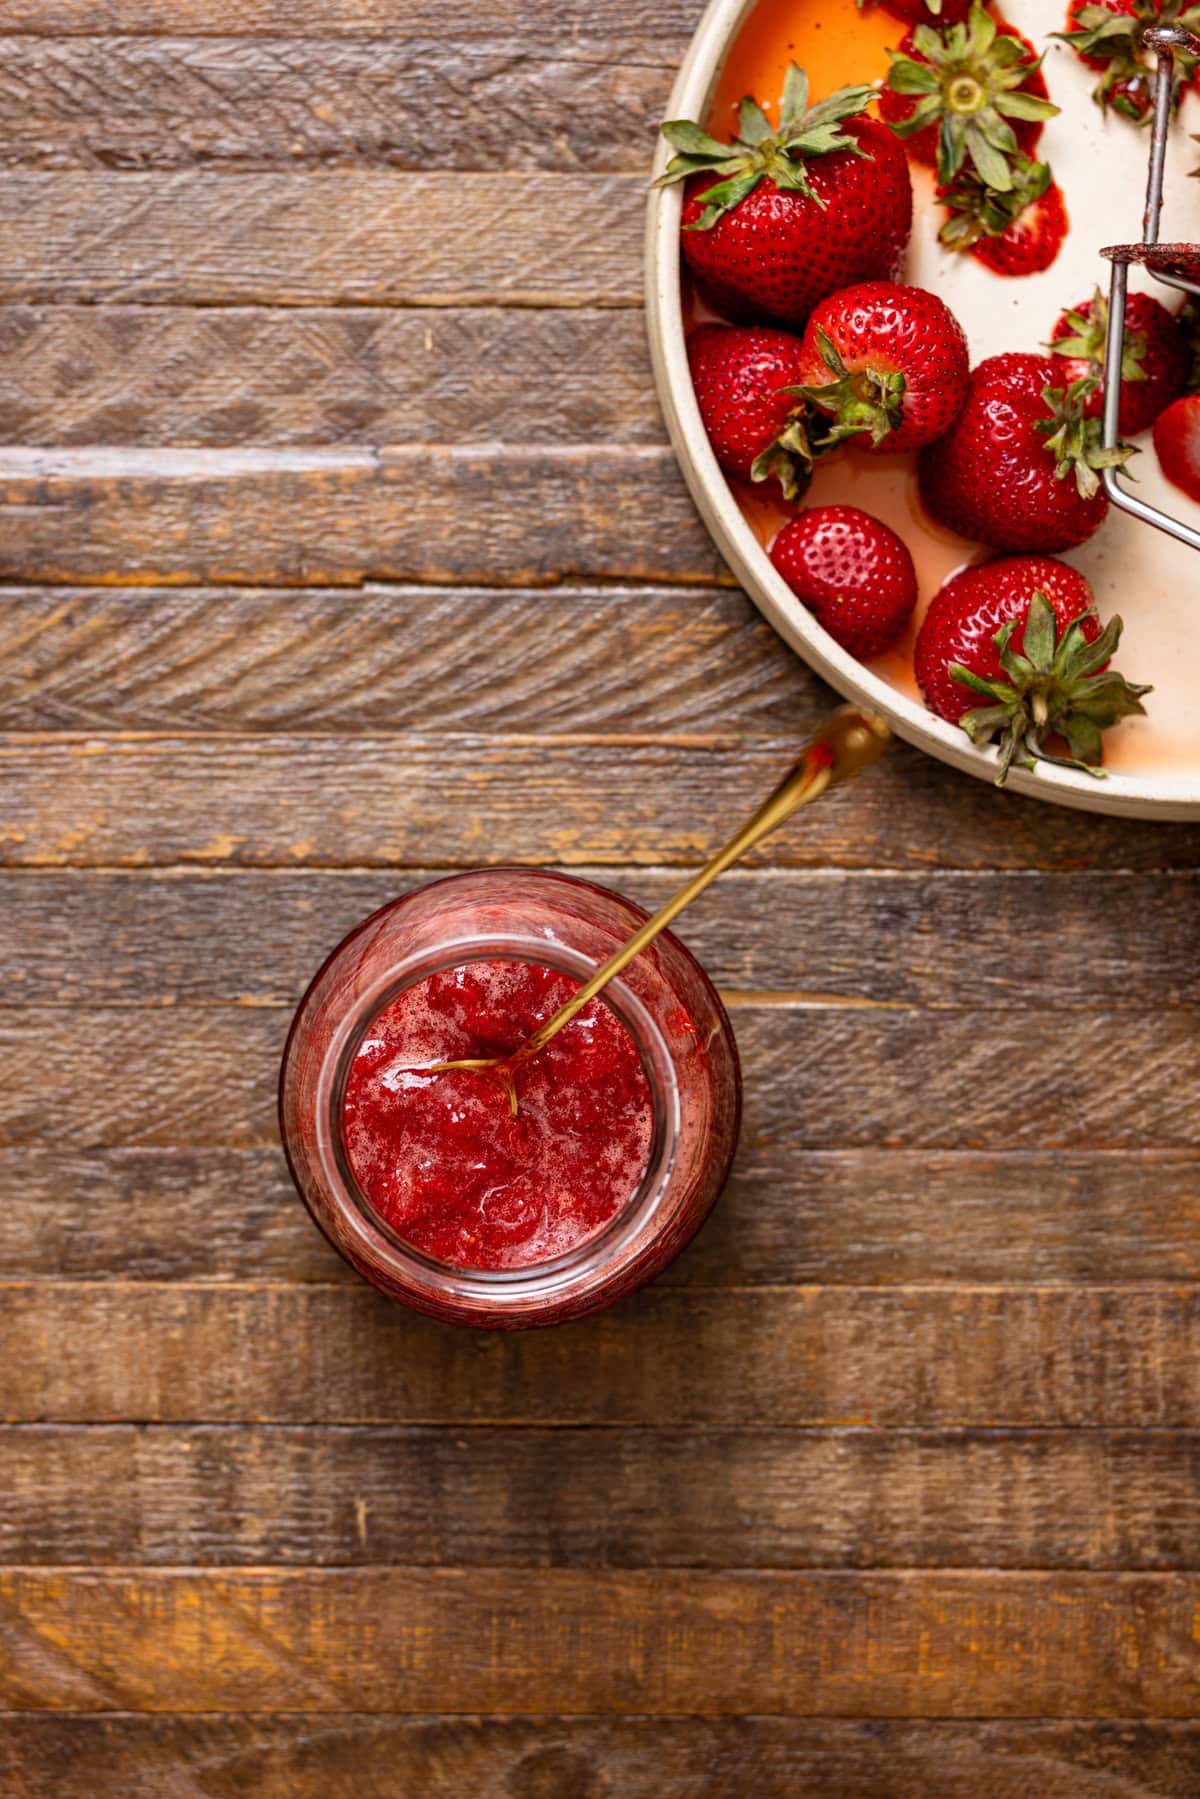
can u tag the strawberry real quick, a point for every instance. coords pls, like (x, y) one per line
(1177, 441)
(1154, 362)
(756, 426)
(1019, 232)
(1110, 37)
(898, 361)
(779, 219)
(1018, 468)
(967, 96)
(853, 573)
(1022, 635)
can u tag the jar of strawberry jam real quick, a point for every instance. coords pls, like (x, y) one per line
(423, 1177)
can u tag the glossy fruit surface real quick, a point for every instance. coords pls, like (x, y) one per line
(778, 252)
(739, 374)
(1019, 467)
(887, 364)
(1177, 444)
(965, 615)
(852, 572)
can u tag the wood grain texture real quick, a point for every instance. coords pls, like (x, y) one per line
(895, 1358)
(223, 376)
(944, 939)
(790, 1215)
(621, 30)
(323, 1757)
(698, 661)
(326, 237)
(427, 801)
(973, 1645)
(599, 1498)
(873, 1078)
(398, 101)
(346, 516)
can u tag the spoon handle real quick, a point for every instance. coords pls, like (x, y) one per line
(847, 743)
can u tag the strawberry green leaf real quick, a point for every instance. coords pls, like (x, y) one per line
(975, 78)
(760, 152)
(865, 402)
(1057, 687)
(754, 127)
(1076, 442)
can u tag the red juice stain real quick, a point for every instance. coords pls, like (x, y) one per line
(440, 1156)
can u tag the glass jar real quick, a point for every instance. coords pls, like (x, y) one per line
(666, 1003)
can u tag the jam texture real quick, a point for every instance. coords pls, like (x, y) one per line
(440, 1156)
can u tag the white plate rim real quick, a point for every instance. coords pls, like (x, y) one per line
(1165, 798)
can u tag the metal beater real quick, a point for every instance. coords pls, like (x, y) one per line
(1175, 265)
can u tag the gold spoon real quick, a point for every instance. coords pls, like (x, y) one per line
(846, 744)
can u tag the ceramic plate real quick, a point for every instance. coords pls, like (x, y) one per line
(1154, 582)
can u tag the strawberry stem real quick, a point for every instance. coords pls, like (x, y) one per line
(1057, 685)
(759, 152)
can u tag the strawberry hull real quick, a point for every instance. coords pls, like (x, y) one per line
(964, 616)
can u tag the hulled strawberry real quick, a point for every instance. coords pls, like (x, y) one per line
(852, 572)
(885, 362)
(969, 95)
(777, 220)
(1021, 635)
(1018, 469)
(1153, 366)
(1018, 232)
(1177, 443)
(1109, 36)
(741, 375)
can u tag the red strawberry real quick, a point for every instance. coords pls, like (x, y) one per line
(1017, 469)
(1154, 364)
(898, 358)
(1177, 441)
(741, 375)
(781, 218)
(1021, 635)
(1016, 233)
(971, 95)
(964, 616)
(854, 574)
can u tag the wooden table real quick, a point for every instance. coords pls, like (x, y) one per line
(352, 551)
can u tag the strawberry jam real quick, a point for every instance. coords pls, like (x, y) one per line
(439, 1154)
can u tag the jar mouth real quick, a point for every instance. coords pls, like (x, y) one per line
(381, 1240)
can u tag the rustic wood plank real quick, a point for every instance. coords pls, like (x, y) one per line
(421, 801)
(698, 660)
(599, 1499)
(401, 102)
(620, 29)
(921, 1357)
(982, 1645)
(235, 375)
(323, 237)
(196, 937)
(344, 516)
(818, 1077)
(790, 1215)
(323, 1757)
